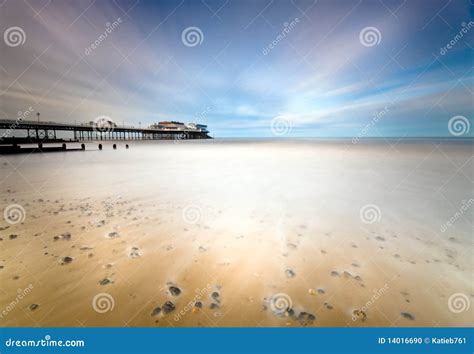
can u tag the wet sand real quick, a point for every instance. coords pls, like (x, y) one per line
(232, 233)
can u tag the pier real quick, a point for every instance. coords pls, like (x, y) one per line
(17, 132)
(44, 131)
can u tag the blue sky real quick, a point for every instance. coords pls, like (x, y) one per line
(303, 67)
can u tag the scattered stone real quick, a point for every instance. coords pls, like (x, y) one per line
(359, 314)
(175, 291)
(408, 316)
(321, 291)
(328, 306)
(290, 273)
(105, 281)
(291, 246)
(156, 311)
(306, 317)
(168, 307)
(198, 304)
(66, 260)
(216, 296)
(34, 307)
(113, 234)
(66, 236)
(135, 252)
(213, 306)
(380, 238)
(312, 292)
(334, 273)
(13, 236)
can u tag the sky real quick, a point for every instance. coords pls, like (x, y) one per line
(260, 68)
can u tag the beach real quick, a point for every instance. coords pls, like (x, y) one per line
(240, 233)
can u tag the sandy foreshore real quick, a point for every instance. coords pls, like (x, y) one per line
(239, 234)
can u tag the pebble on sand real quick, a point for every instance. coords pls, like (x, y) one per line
(359, 314)
(113, 234)
(66, 260)
(290, 273)
(105, 281)
(34, 307)
(156, 311)
(408, 316)
(174, 290)
(168, 307)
